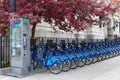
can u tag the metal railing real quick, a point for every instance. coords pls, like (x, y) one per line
(4, 51)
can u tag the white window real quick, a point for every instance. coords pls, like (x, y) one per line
(107, 1)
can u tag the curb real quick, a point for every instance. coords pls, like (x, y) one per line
(3, 71)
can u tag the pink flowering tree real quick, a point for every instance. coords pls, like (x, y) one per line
(63, 14)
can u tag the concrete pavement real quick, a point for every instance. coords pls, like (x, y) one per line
(104, 70)
(111, 75)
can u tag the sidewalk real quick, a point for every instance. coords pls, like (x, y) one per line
(112, 75)
(104, 70)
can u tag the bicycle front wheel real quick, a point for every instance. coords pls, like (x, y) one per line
(56, 68)
(66, 65)
(74, 63)
(82, 62)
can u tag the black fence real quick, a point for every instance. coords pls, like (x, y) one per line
(4, 51)
(39, 40)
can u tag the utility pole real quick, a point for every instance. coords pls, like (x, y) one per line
(13, 6)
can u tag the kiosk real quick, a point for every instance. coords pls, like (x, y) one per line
(20, 55)
(20, 46)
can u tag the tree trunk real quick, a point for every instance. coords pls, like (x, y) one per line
(110, 25)
(110, 30)
(33, 31)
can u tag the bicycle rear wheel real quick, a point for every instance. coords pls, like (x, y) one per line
(34, 62)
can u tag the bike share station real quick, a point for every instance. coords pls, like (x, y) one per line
(62, 57)
(20, 55)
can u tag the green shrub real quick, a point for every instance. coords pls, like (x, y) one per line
(4, 63)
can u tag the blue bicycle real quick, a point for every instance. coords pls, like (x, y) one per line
(52, 63)
(78, 54)
(71, 55)
(58, 51)
(87, 54)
